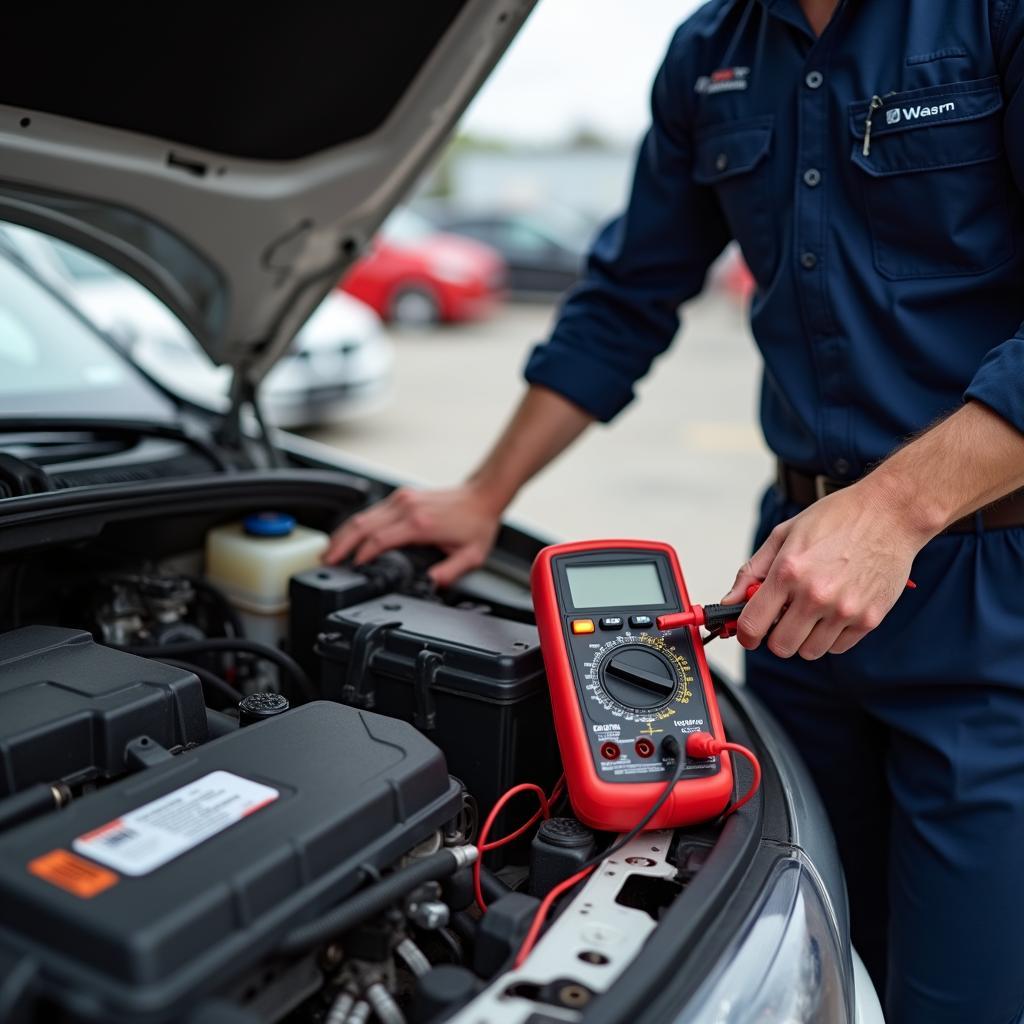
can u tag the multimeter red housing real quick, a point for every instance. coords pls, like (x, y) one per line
(619, 685)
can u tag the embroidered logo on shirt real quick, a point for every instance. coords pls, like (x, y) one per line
(897, 114)
(723, 80)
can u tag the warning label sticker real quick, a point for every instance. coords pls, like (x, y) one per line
(74, 874)
(155, 833)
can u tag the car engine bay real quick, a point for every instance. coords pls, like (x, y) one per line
(223, 801)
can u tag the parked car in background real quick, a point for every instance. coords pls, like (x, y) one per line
(416, 275)
(543, 247)
(339, 366)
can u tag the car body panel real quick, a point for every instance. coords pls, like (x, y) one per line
(240, 221)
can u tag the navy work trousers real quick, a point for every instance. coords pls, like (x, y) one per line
(915, 739)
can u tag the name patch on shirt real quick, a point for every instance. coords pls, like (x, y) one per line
(913, 113)
(723, 80)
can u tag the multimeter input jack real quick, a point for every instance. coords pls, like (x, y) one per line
(643, 747)
(610, 751)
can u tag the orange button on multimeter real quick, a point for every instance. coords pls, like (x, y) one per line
(582, 626)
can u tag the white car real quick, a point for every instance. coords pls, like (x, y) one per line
(338, 367)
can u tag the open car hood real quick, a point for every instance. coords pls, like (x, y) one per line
(234, 160)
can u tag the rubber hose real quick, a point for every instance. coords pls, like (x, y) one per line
(376, 897)
(31, 802)
(284, 662)
(209, 679)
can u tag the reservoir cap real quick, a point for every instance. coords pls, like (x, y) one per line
(259, 706)
(269, 524)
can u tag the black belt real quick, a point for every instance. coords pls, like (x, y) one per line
(803, 489)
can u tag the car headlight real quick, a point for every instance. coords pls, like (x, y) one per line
(786, 966)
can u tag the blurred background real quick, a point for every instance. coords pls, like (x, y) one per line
(415, 361)
(542, 158)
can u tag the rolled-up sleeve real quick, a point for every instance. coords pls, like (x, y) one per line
(999, 382)
(642, 266)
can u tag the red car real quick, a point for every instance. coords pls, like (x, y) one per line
(414, 274)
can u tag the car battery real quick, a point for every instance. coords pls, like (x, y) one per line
(315, 593)
(474, 683)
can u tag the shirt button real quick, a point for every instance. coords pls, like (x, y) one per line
(812, 177)
(721, 161)
(808, 260)
(841, 467)
(814, 79)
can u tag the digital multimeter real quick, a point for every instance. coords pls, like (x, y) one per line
(620, 686)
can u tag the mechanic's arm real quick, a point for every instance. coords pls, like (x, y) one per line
(622, 315)
(463, 521)
(835, 570)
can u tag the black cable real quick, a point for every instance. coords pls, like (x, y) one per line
(452, 944)
(220, 723)
(288, 666)
(494, 887)
(224, 606)
(465, 927)
(209, 679)
(375, 898)
(674, 749)
(268, 445)
(32, 802)
(677, 774)
(713, 635)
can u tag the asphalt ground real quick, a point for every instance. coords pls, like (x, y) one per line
(684, 463)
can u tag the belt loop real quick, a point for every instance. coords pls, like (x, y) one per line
(979, 522)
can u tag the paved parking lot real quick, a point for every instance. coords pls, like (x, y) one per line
(684, 463)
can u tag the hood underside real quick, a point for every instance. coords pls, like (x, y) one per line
(234, 160)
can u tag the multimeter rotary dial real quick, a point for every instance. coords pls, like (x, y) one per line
(639, 677)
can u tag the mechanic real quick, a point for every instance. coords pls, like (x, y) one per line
(868, 156)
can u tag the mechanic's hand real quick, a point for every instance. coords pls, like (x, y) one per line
(461, 521)
(830, 574)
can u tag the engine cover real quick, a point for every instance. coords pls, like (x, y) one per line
(69, 707)
(163, 888)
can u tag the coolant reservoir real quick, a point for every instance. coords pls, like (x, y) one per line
(252, 562)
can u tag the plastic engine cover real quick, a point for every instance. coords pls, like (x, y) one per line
(118, 924)
(69, 706)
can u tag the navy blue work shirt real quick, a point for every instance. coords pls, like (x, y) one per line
(890, 272)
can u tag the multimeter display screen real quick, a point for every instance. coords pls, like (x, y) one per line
(614, 586)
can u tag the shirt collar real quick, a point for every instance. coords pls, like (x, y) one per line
(788, 10)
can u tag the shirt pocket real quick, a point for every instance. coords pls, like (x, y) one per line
(732, 159)
(935, 181)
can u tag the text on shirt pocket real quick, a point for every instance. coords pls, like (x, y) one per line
(934, 178)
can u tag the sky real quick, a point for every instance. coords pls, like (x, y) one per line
(578, 64)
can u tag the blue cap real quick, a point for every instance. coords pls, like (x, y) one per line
(269, 524)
